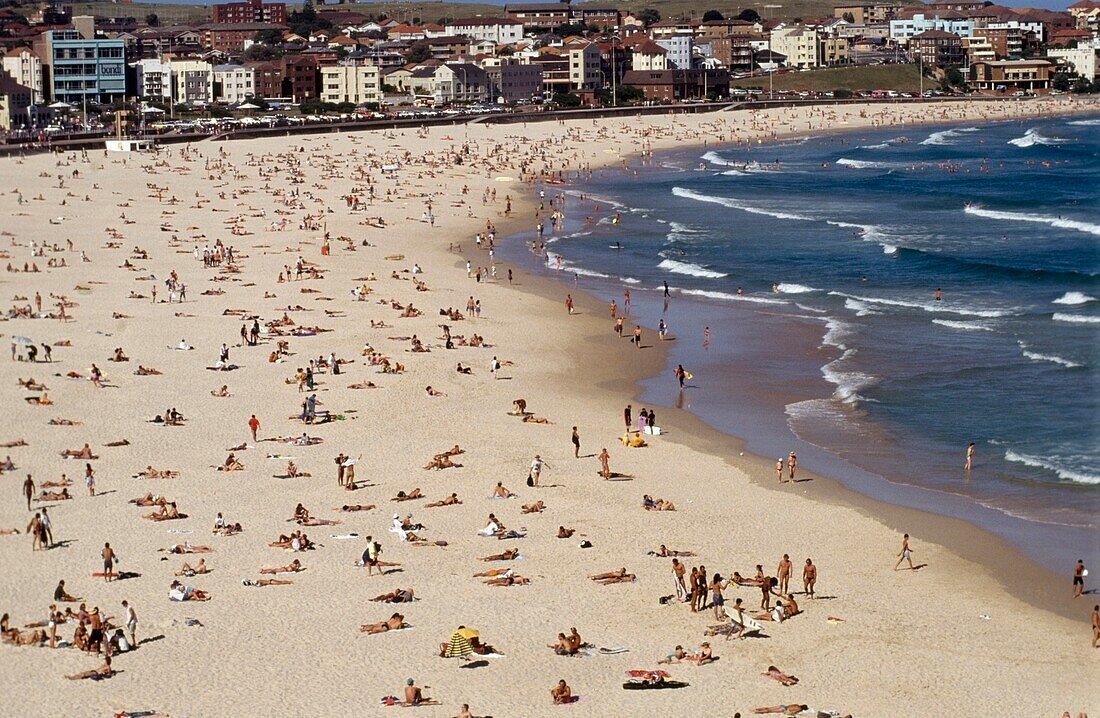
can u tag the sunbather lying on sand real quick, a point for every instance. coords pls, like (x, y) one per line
(665, 552)
(293, 567)
(534, 508)
(188, 548)
(651, 504)
(788, 710)
(399, 595)
(268, 582)
(231, 464)
(178, 592)
(104, 671)
(777, 675)
(402, 496)
(510, 555)
(610, 577)
(451, 500)
(393, 623)
(188, 570)
(356, 507)
(149, 499)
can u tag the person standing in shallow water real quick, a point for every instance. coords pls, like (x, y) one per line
(969, 456)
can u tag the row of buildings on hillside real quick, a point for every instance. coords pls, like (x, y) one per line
(530, 53)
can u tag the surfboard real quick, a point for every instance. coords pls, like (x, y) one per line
(688, 376)
(751, 624)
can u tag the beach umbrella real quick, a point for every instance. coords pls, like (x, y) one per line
(59, 105)
(459, 646)
(24, 341)
(468, 632)
(248, 106)
(149, 110)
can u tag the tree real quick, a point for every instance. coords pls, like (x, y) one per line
(649, 16)
(572, 28)
(954, 77)
(260, 52)
(152, 20)
(269, 37)
(1061, 82)
(418, 52)
(749, 15)
(566, 100)
(849, 17)
(306, 21)
(842, 93)
(713, 16)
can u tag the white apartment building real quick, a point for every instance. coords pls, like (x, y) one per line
(679, 49)
(584, 67)
(498, 30)
(25, 67)
(234, 84)
(798, 44)
(192, 81)
(351, 83)
(154, 79)
(902, 30)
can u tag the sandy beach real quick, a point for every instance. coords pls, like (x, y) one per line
(954, 637)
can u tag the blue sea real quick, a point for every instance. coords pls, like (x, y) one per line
(875, 301)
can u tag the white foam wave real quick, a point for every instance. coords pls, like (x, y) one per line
(692, 270)
(730, 297)
(734, 173)
(879, 146)
(1032, 138)
(864, 164)
(964, 326)
(889, 249)
(1075, 318)
(786, 288)
(1073, 298)
(715, 159)
(804, 308)
(1086, 123)
(835, 334)
(860, 308)
(1064, 473)
(944, 137)
(1036, 356)
(933, 306)
(734, 203)
(1061, 222)
(848, 383)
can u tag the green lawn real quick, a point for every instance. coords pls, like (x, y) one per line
(905, 78)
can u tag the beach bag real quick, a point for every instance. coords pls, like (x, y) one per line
(530, 479)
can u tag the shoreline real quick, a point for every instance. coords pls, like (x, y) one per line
(1006, 563)
(950, 625)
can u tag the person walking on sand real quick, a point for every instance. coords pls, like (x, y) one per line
(47, 527)
(792, 465)
(537, 465)
(28, 490)
(605, 464)
(569, 302)
(680, 374)
(109, 559)
(89, 478)
(637, 339)
(131, 623)
(627, 416)
(779, 466)
(1079, 574)
(906, 554)
(253, 426)
(576, 439)
(1095, 625)
(969, 456)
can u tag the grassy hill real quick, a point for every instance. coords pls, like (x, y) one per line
(905, 78)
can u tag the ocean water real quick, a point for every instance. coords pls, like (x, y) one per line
(816, 264)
